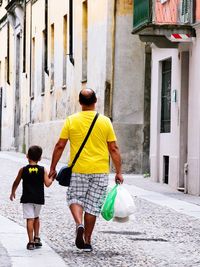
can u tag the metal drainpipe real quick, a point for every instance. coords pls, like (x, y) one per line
(30, 74)
(71, 36)
(8, 53)
(24, 40)
(46, 37)
(113, 58)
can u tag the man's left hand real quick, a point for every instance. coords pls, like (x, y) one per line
(119, 179)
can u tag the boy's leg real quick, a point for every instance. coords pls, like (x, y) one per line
(36, 226)
(30, 228)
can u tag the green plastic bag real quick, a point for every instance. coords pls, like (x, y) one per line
(107, 211)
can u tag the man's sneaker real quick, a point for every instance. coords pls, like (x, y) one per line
(88, 248)
(37, 242)
(79, 242)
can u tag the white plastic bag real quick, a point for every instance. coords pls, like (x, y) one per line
(124, 203)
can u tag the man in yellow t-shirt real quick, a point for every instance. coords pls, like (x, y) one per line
(89, 179)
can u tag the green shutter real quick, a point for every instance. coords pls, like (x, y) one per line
(141, 12)
(185, 7)
(186, 11)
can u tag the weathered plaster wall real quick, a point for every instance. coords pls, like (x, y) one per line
(128, 91)
(168, 12)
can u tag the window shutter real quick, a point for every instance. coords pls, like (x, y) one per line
(186, 9)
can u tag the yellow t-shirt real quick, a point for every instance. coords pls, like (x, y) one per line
(94, 157)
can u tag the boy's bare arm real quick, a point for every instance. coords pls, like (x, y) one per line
(47, 180)
(15, 184)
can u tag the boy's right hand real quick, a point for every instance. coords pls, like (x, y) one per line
(52, 174)
(12, 196)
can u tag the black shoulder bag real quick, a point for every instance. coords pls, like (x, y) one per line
(64, 175)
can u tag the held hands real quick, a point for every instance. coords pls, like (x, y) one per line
(119, 178)
(52, 174)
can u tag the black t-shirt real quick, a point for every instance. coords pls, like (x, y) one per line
(33, 184)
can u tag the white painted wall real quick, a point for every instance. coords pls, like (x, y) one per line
(193, 118)
(164, 144)
(8, 101)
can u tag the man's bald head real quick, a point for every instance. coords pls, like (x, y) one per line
(87, 97)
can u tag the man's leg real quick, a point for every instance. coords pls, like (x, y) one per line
(77, 213)
(89, 222)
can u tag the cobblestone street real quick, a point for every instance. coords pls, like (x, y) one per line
(158, 236)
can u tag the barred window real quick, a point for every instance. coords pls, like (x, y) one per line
(166, 97)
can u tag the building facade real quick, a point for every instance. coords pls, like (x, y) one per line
(172, 28)
(55, 50)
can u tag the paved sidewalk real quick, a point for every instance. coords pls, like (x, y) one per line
(14, 238)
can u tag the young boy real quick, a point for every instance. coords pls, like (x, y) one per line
(34, 177)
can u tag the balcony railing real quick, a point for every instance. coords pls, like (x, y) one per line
(141, 13)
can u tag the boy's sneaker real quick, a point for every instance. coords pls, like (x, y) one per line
(37, 242)
(30, 246)
(79, 242)
(88, 248)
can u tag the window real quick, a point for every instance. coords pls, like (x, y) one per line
(4, 86)
(43, 63)
(52, 57)
(64, 51)
(166, 97)
(84, 40)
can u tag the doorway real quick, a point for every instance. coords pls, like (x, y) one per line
(166, 169)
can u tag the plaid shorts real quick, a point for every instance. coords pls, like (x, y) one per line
(88, 190)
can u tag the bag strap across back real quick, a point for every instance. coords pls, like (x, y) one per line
(85, 140)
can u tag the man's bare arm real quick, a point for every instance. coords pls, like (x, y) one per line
(116, 158)
(57, 153)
